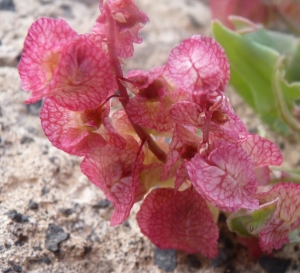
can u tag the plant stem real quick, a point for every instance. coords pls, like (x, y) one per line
(124, 97)
(291, 176)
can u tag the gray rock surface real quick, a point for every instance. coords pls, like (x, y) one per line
(45, 185)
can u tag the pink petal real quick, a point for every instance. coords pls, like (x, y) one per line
(122, 124)
(289, 201)
(111, 135)
(145, 113)
(198, 64)
(234, 123)
(262, 151)
(144, 78)
(220, 54)
(150, 177)
(227, 180)
(179, 220)
(66, 130)
(153, 113)
(41, 54)
(171, 167)
(184, 145)
(112, 170)
(127, 19)
(262, 175)
(126, 39)
(181, 176)
(274, 235)
(84, 78)
(184, 137)
(186, 113)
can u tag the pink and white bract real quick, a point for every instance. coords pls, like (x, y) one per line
(175, 141)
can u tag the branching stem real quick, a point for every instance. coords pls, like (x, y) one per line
(124, 97)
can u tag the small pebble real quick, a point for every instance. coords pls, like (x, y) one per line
(165, 259)
(274, 265)
(17, 268)
(54, 236)
(17, 217)
(7, 5)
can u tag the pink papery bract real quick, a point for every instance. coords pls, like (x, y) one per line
(226, 179)
(289, 202)
(142, 79)
(110, 134)
(187, 113)
(234, 123)
(122, 123)
(113, 170)
(184, 145)
(274, 235)
(153, 113)
(262, 151)
(262, 175)
(127, 20)
(286, 217)
(84, 78)
(221, 56)
(42, 51)
(179, 220)
(70, 131)
(150, 105)
(198, 65)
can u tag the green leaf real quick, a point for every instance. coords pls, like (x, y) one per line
(253, 58)
(247, 223)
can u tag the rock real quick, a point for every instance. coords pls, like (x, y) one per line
(274, 264)
(17, 217)
(224, 256)
(102, 204)
(165, 259)
(17, 268)
(44, 260)
(67, 212)
(34, 108)
(54, 236)
(33, 205)
(7, 5)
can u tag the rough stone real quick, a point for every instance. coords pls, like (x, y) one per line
(7, 5)
(54, 236)
(17, 217)
(165, 259)
(274, 264)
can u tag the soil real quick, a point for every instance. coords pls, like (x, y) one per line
(52, 219)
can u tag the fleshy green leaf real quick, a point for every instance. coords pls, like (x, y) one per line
(247, 223)
(254, 58)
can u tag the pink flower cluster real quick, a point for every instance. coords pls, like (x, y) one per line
(169, 135)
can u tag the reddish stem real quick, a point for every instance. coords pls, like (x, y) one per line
(124, 97)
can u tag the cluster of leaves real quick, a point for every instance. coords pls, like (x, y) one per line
(168, 136)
